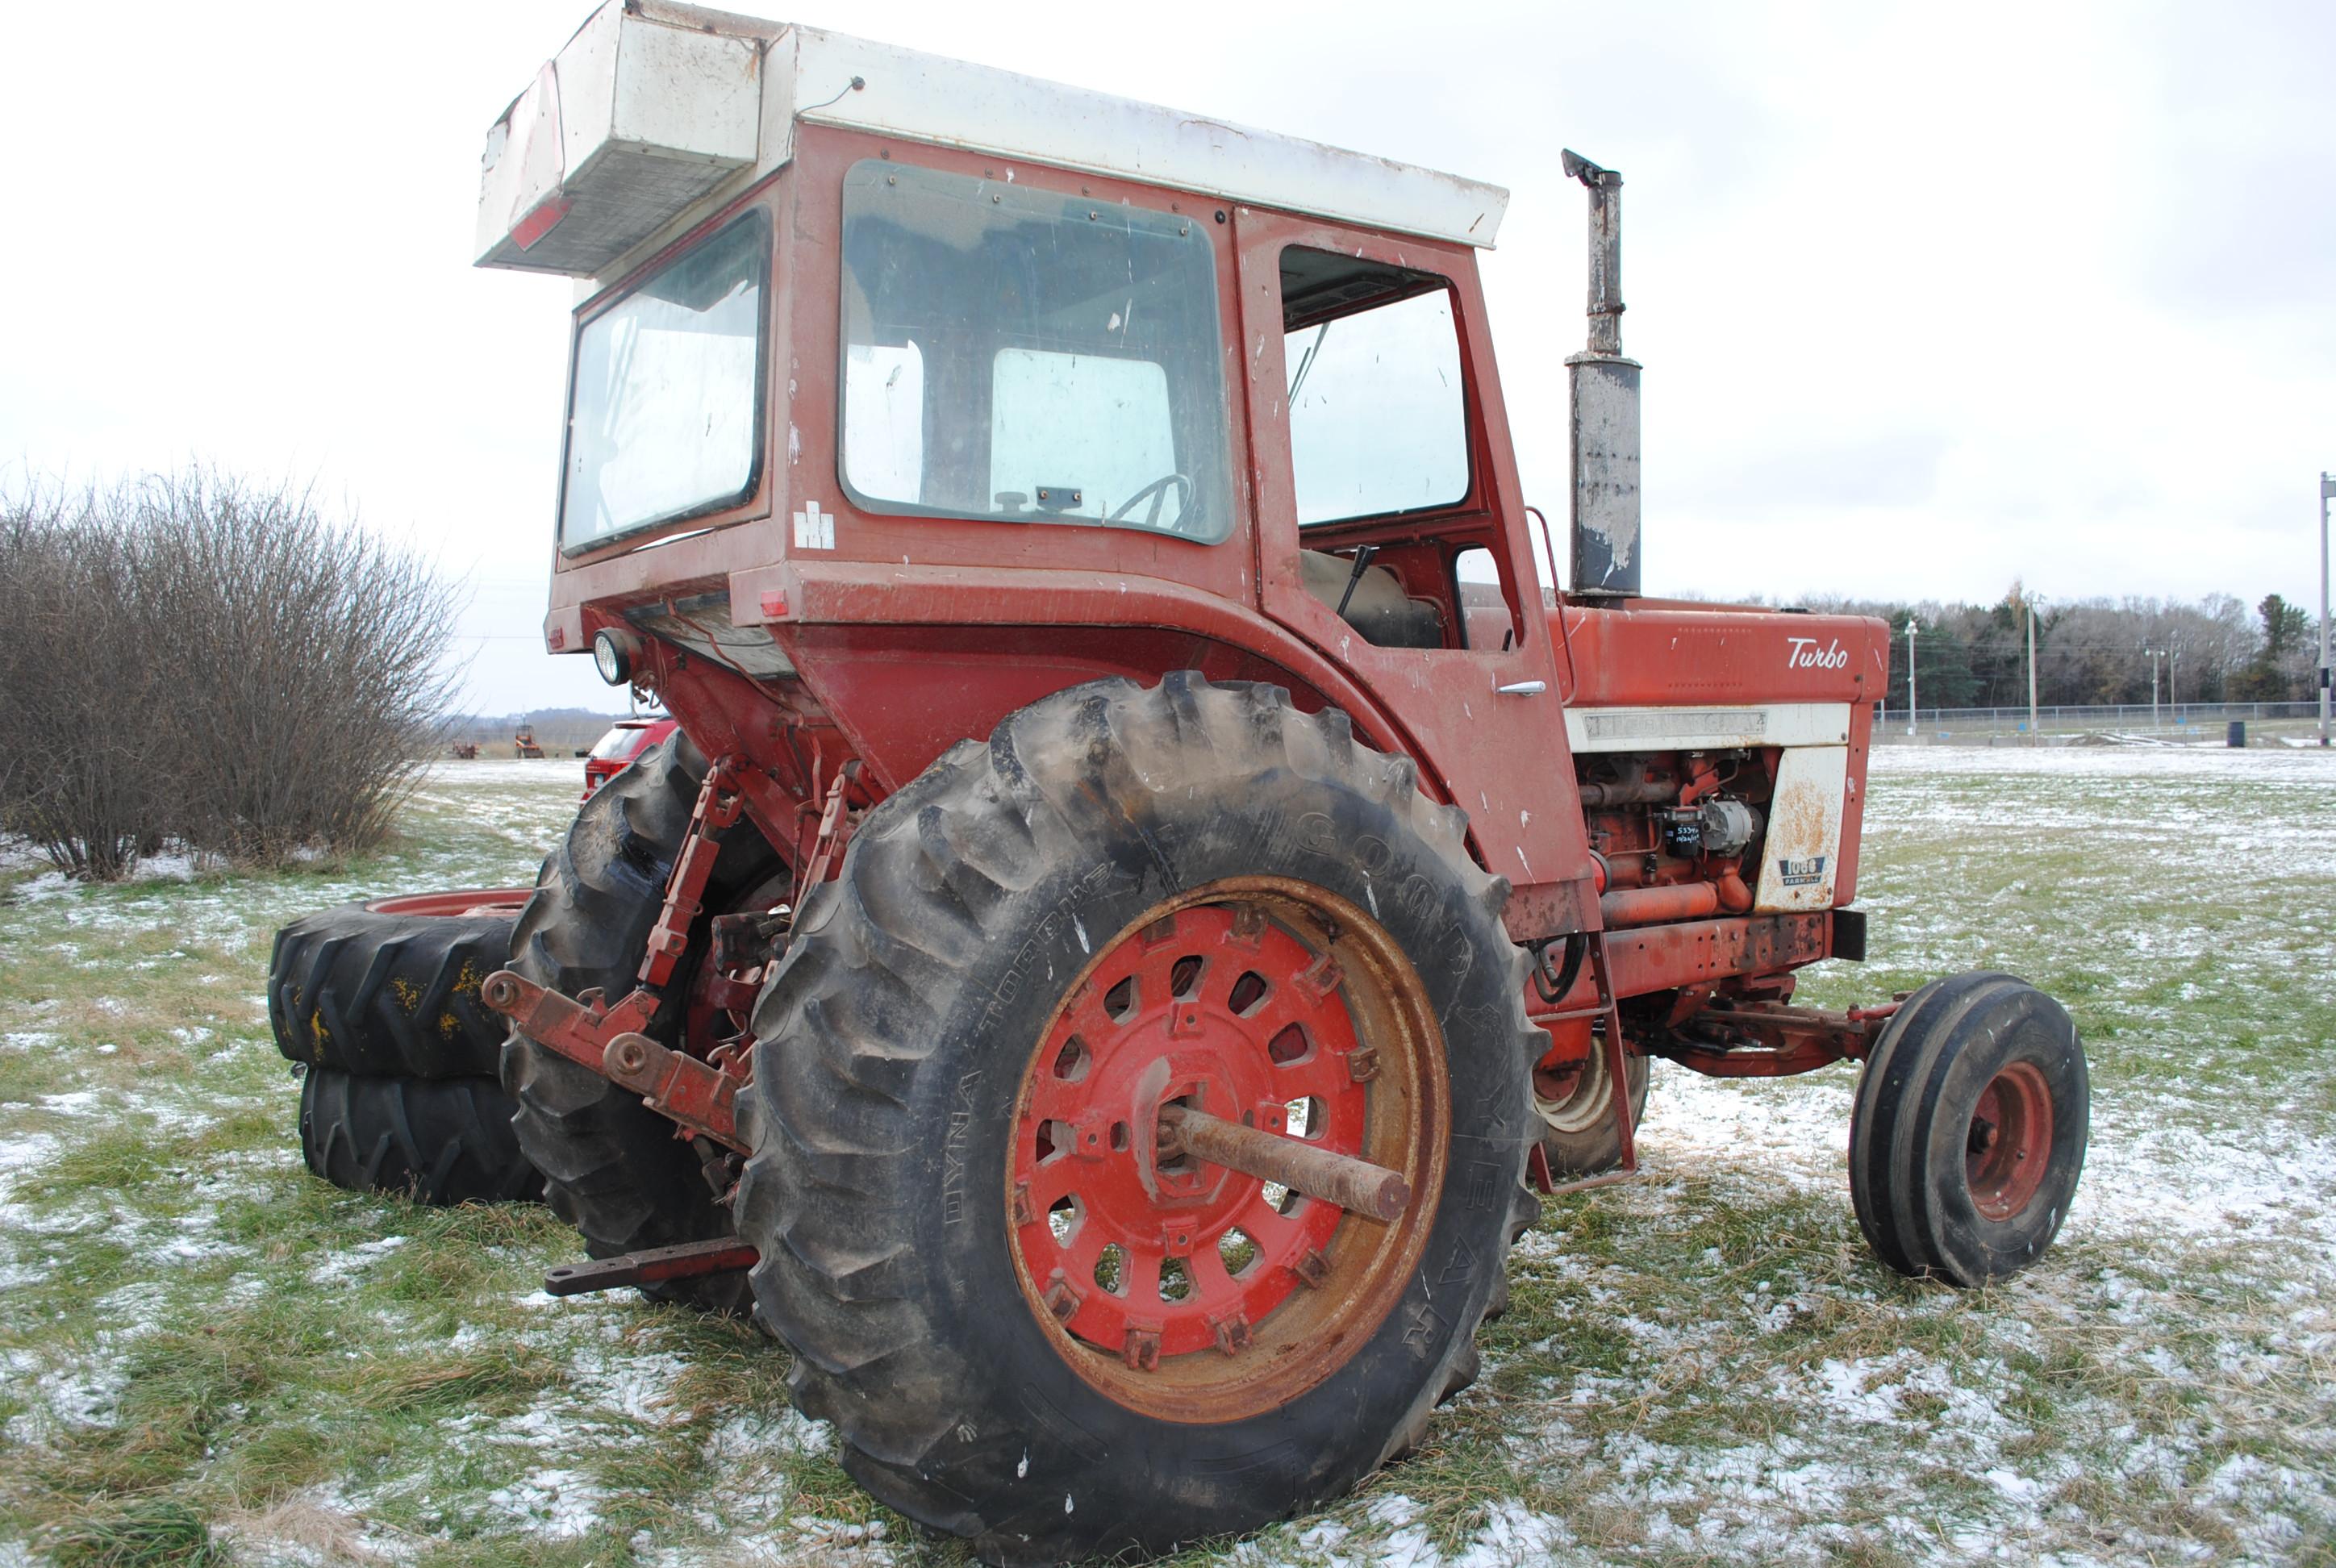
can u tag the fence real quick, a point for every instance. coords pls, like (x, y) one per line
(2175, 720)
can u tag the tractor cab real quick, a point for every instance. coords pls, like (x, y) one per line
(911, 390)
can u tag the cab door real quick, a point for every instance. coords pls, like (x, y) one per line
(1391, 535)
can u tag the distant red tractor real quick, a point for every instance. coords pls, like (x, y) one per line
(1146, 884)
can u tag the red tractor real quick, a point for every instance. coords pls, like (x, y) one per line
(1147, 883)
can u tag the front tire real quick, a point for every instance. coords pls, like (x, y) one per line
(945, 1012)
(1968, 1131)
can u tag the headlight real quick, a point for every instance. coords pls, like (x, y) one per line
(613, 654)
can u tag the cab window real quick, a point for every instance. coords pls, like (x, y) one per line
(1021, 354)
(664, 417)
(1378, 422)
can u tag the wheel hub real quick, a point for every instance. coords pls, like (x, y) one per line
(2009, 1142)
(1160, 1270)
(1215, 1007)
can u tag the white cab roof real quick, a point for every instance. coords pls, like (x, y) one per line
(654, 111)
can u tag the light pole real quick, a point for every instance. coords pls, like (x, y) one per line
(2029, 604)
(2155, 655)
(2326, 492)
(1913, 709)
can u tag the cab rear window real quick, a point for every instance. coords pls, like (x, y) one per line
(664, 417)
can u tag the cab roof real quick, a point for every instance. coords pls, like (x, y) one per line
(654, 112)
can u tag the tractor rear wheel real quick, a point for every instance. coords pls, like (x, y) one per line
(1030, 1324)
(1967, 1136)
(390, 987)
(1576, 1108)
(613, 1168)
(443, 1141)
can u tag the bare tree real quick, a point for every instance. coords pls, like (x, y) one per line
(198, 656)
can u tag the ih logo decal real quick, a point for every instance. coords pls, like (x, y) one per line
(1801, 873)
(814, 528)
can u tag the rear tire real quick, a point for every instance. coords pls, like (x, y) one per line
(613, 1168)
(915, 1015)
(444, 1141)
(1968, 1136)
(379, 990)
(1578, 1136)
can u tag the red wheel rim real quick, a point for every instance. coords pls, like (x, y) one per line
(2009, 1142)
(476, 903)
(1181, 1288)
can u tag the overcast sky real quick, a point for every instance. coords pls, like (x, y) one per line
(1930, 298)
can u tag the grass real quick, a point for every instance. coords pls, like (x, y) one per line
(211, 1357)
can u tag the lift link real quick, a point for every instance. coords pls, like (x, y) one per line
(699, 1097)
(687, 1261)
(719, 804)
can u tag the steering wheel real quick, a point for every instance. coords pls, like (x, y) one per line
(1156, 492)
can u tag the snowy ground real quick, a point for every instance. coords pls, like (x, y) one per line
(201, 1343)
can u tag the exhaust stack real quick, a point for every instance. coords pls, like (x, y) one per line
(1605, 392)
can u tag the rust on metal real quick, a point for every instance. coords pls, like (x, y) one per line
(702, 1098)
(1356, 1185)
(699, 1097)
(687, 1261)
(1734, 1038)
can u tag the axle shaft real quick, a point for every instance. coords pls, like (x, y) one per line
(1356, 1185)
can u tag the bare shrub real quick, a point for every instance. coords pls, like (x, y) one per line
(196, 656)
(75, 695)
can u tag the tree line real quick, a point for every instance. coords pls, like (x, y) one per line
(2098, 650)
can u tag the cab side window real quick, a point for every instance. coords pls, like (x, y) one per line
(1378, 420)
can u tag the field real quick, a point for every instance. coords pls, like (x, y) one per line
(211, 1356)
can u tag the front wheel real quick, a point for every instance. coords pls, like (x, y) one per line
(1969, 1131)
(1030, 1323)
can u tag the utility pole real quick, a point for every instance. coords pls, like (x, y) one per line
(1914, 708)
(2155, 655)
(2327, 492)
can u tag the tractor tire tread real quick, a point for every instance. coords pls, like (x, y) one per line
(388, 996)
(438, 1141)
(847, 1022)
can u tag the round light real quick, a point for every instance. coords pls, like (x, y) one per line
(612, 655)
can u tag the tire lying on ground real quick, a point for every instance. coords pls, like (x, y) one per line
(441, 1141)
(614, 1168)
(1192, 891)
(389, 987)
